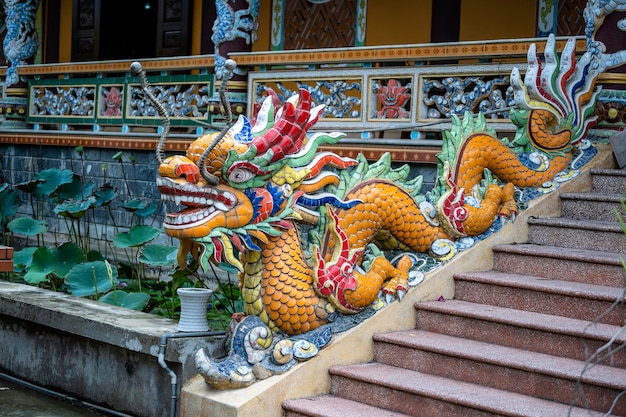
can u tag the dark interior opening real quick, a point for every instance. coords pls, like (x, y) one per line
(128, 29)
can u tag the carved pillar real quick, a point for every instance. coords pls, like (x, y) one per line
(234, 30)
(20, 45)
(605, 29)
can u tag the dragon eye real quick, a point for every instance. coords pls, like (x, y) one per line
(240, 175)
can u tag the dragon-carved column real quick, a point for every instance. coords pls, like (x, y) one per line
(234, 30)
(20, 45)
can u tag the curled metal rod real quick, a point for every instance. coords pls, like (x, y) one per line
(229, 67)
(137, 70)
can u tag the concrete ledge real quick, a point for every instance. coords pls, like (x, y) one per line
(311, 378)
(103, 354)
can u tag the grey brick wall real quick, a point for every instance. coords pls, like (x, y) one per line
(20, 163)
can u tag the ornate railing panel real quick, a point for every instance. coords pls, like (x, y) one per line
(117, 102)
(415, 99)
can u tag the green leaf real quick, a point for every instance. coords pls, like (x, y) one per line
(51, 180)
(135, 300)
(94, 255)
(136, 236)
(90, 278)
(75, 209)
(44, 262)
(23, 258)
(9, 203)
(147, 211)
(68, 255)
(74, 190)
(29, 186)
(118, 156)
(134, 205)
(28, 226)
(158, 255)
(105, 195)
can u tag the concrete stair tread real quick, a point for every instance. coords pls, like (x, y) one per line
(463, 393)
(581, 255)
(333, 406)
(540, 363)
(525, 319)
(594, 196)
(592, 225)
(568, 288)
(609, 172)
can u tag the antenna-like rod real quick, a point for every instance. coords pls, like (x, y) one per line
(229, 68)
(137, 70)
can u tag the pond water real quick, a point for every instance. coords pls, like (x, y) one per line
(18, 401)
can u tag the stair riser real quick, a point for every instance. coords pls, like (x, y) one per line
(610, 184)
(562, 269)
(400, 401)
(596, 210)
(576, 238)
(536, 340)
(539, 302)
(500, 377)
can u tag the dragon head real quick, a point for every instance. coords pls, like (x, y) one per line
(231, 191)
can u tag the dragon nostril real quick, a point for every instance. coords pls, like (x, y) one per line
(191, 172)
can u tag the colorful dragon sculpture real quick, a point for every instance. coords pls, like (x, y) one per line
(299, 224)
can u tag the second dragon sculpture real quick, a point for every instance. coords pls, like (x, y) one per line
(308, 230)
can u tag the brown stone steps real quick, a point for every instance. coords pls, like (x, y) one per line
(568, 264)
(577, 234)
(420, 394)
(542, 295)
(609, 181)
(597, 206)
(537, 332)
(545, 376)
(333, 406)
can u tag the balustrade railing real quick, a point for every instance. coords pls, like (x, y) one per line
(385, 94)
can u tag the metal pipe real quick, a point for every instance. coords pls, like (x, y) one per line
(60, 396)
(173, 376)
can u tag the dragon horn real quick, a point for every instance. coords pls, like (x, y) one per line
(229, 67)
(137, 70)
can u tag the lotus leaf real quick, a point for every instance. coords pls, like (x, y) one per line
(23, 258)
(158, 255)
(134, 301)
(134, 205)
(52, 179)
(28, 226)
(68, 255)
(75, 189)
(44, 263)
(136, 236)
(90, 278)
(74, 209)
(105, 195)
(147, 211)
(9, 203)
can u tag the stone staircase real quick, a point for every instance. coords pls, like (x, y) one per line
(514, 340)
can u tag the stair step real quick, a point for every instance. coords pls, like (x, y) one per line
(610, 181)
(542, 295)
(546, 376)
(569, 264)
(333, 406)
(577, 234)
(597, 206)
(537, 332)
(419, 394)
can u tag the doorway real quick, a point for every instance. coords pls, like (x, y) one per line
(128, 29)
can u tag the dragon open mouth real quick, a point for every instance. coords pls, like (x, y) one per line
(199, 203)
